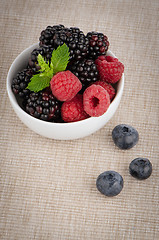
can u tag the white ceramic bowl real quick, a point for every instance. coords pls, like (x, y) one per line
(61, 131)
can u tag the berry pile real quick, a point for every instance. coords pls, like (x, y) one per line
(69, 76)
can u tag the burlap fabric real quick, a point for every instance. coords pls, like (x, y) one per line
(47, 187)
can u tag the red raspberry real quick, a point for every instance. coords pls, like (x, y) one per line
(110, 59)
(65, 85)
(96, 100)
(110, 69)
(73, 110)
(107, 87)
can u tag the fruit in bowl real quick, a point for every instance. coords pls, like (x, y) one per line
(67, 86)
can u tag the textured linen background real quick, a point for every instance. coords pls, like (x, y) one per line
(47, 187)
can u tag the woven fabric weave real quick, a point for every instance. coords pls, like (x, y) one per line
(47, 187)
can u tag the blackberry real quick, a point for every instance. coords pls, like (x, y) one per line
(45, 51)
(20, 82)
(85, 70)
(47, 35)
(43, 105)
(73, 37)
(98, 44)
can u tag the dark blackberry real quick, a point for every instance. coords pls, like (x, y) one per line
(46, 36)
(20, 82)
(45, 51)
(73, 37)
(85, 70)
(43, 105)
(98, 44)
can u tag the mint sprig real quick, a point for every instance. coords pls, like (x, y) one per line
(59, 60)
(45, 68)
(38, 82)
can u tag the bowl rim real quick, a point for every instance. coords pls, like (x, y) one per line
(14, 102)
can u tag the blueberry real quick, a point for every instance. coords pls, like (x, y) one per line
(140, 168)
(110, 183)
(125, 136)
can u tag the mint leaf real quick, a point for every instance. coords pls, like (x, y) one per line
(60, 58)
(38, 82)
(42, 80)
(44, 66)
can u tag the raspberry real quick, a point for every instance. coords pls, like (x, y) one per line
(73, 110)
(65, 85)
(107, 87)
(110, 69)
(96, 100)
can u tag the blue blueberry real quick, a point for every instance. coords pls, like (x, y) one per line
(110, 183)
(125, 136)
(140, 168)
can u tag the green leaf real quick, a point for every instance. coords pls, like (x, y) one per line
(60, 58)
(44, 66)
(38, 82)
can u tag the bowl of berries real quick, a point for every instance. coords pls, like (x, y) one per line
(67, 86)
